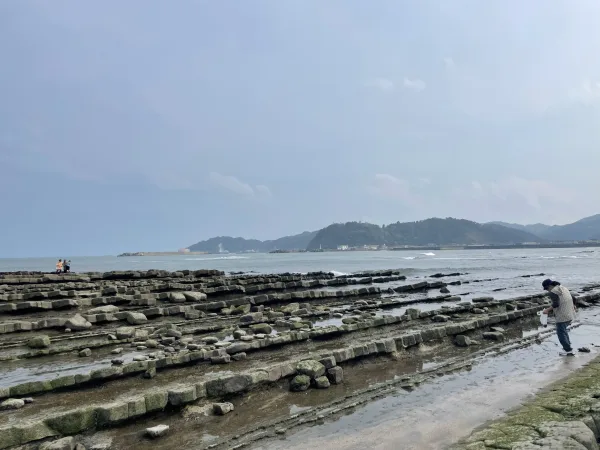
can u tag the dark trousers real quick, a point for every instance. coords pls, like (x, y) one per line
(563, 335)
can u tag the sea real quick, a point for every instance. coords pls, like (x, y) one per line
(573, 267)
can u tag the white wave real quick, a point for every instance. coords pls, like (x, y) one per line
(217, 258)
(408, 257)
(338, 274)
(428, 254)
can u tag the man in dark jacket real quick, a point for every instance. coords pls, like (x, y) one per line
(564, 310)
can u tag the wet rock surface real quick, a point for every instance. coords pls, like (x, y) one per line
(200, 336)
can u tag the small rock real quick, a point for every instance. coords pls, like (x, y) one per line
(12, 403)
(140, 358)
(497, 329)
(239, 356)
(210, 340)
(300, 383)
(111, 337)
(136, 318)
(150, 373)
(222, 408)
(462, 341)
(28, 400)
(312, 368)
(224, 359)
(263, 328)
(335, 375)
(444, 290)
(322, 382)
(280, 431)
(157, 431)
(39, 342)
(86, 352)
(117, 351)
(440, 318)
(78, 323)
(493, 336)
(67, 330)
(117, 362)
(67, 443)
(237, 334)
(477, 311)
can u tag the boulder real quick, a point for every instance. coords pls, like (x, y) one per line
(194, 296)
(462, 340)
(134, 318)
(335, 375)
(66, 443)
(125, 333)
(86, 352)
(311, 368)
(108, 309)
(252, 317)
(440, 318)
(222, 408)
(77, 323)
(237, 334)
(39, 342)
(493, 336)
(177, 297)
(210, 340)
(12, 403)
(261, 328)
(157, 431)
(300, 383)
(444, 290)
(322, 382)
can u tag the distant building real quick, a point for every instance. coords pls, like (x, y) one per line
(343, 247)
(184, 250)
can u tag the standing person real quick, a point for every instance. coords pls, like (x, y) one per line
(564, 312)
(67, 266)
(59, 266)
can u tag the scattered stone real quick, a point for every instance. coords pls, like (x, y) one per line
(583, 350)
(210, 340)
(328, 362)
(497, 329)
(462, 340)
(125, 333)
(223, 359)
(310, 367)
(78, 323)
(444, 290)
(237, 334)
(117, 351)
(66, 443)
(222, 408)
(39, 342)
(335, 375)
(493, 336)
(280, 431)
(28, 400)
(108, 309)
(300, 383)
(157, 431)
(117, 362)
(150, 373)
(12, 403)
(322, 382)
(239, 356)
(86, 352)
(440, 318)
(134, 318)
(261, 328)
(139, 358)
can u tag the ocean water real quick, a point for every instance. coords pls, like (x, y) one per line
(574, 267)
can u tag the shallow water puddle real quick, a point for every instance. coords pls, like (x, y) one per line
(442, 411)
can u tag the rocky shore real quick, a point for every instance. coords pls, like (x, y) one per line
(565, 415)
(146, 351)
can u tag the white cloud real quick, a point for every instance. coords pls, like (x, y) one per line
(386, 185)
(415, 85)
(383, 84)
(233, 184)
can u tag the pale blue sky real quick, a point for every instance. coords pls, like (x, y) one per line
(150, 125)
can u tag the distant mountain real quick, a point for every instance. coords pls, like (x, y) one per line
(238, 245)
(431, 231)
(539, 229)
(582, 230)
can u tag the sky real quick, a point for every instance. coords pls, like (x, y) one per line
(149, 125)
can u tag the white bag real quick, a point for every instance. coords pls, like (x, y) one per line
(543, 319)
